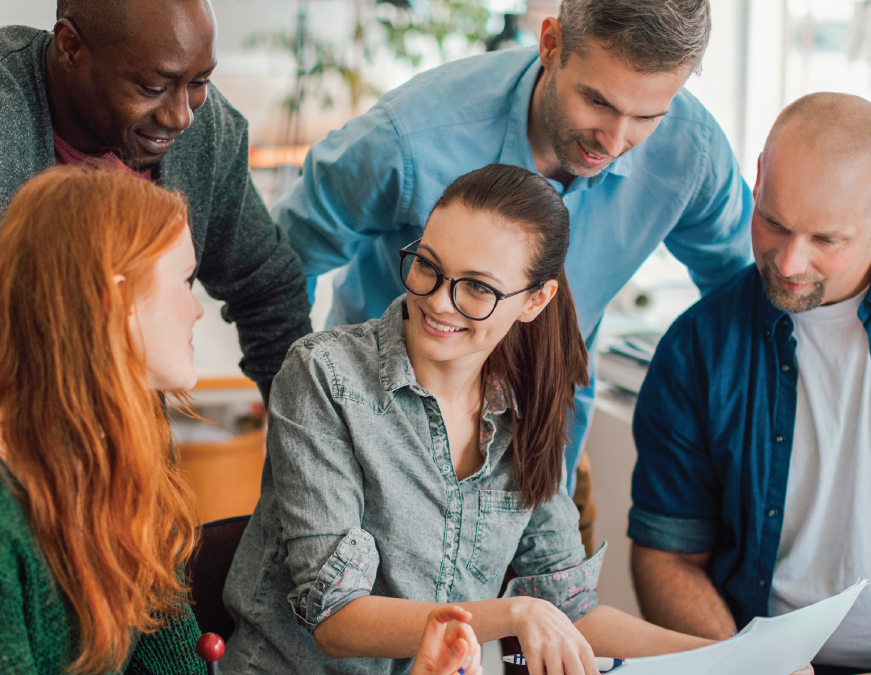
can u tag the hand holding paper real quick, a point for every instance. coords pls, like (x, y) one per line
(767, 646)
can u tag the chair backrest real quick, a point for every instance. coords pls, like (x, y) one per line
(207, 572)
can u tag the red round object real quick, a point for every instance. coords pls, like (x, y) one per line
(210, 647)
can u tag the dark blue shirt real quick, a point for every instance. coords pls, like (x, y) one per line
(713, 426)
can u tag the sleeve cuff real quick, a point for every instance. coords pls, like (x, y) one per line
(347, 575)
(675, 535)
(572, 590)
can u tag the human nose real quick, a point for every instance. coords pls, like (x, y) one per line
(791, 258)
(440, 300)
(613, 136)
(199, 310)
(176, 112)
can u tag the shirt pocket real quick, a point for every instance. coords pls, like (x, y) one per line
(502, 518)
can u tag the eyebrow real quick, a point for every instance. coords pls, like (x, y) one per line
(464, 273)
(595, 93)
(835, 234)
(169, 75)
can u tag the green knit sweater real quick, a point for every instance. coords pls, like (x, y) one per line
(38, 626)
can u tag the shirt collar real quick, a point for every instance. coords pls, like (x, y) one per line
(515, 143)
(394, 368)
(865, 309)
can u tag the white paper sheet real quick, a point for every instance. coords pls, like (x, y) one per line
(776, 646)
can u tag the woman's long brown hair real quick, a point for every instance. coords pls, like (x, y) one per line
(541, 361)
(85, 439)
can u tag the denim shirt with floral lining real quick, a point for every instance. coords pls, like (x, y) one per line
(359, 497)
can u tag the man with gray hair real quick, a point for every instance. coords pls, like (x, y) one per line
(598, 109)
(124, 85)
(753, 485)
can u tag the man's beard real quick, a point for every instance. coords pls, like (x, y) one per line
(565, 147)
(788, 301)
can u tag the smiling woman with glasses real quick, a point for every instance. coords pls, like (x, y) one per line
(413, 459)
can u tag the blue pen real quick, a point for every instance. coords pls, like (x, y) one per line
(602, 663)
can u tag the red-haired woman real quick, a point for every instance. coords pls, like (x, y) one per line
(96, 317)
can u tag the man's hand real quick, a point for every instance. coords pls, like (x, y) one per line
(448, 645)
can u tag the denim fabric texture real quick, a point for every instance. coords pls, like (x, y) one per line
(713, 426)
(368, 188)
(360, 497)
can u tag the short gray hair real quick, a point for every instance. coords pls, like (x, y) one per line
(651, 36)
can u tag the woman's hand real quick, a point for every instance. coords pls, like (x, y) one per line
(550, 640)
(807, 670)
(449, 644)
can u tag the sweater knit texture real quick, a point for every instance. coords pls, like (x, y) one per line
(38, 627)
(244, 259)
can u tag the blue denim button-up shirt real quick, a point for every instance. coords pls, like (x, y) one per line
(368, 188)
(713, 426)
(359, 497)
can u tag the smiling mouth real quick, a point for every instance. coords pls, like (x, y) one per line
(442, 328)
(592, 156)
(157, 144)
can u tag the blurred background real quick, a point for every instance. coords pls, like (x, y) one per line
(299, 68)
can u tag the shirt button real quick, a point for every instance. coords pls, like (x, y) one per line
(785, 368)
(762, 583)
(767, 333)
(779, 439)
(772, 513)
(353, 542)
(455, 519)
(320, 585)
(446, 468)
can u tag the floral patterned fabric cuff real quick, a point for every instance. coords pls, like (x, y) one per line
(348, 574)
(572, 590)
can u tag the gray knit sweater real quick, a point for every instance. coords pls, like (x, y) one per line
(245, 260)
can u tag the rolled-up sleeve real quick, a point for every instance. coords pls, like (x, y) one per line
(675, 491)
(348, 574)
(315, 482)
(573, 590)
(550, 560)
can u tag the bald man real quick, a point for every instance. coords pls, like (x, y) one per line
(752, 490)
(124, 84)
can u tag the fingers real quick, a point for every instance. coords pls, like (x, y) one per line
(433, 635)
(807, 670)
(588, 659)
(450, 613)
(458, 656)
(461, 630)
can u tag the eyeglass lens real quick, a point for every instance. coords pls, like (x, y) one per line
(474, 300)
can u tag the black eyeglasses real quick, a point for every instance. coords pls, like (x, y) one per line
(473, 299)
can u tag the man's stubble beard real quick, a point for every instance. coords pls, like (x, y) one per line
(564, 146)
(787, 301)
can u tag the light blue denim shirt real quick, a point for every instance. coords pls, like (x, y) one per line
(368, 188)
(360, 497)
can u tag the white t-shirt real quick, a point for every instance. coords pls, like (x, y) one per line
(825, 545)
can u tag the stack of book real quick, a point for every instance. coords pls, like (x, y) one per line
(623, 363)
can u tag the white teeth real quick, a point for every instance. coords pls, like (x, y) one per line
(440, 327)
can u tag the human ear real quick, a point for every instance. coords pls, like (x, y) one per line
(68, 43)
(550, 42)
(758, 175)
(539, 301)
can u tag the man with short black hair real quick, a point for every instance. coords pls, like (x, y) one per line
(598, 109)
(124, 84)
(753, 485)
